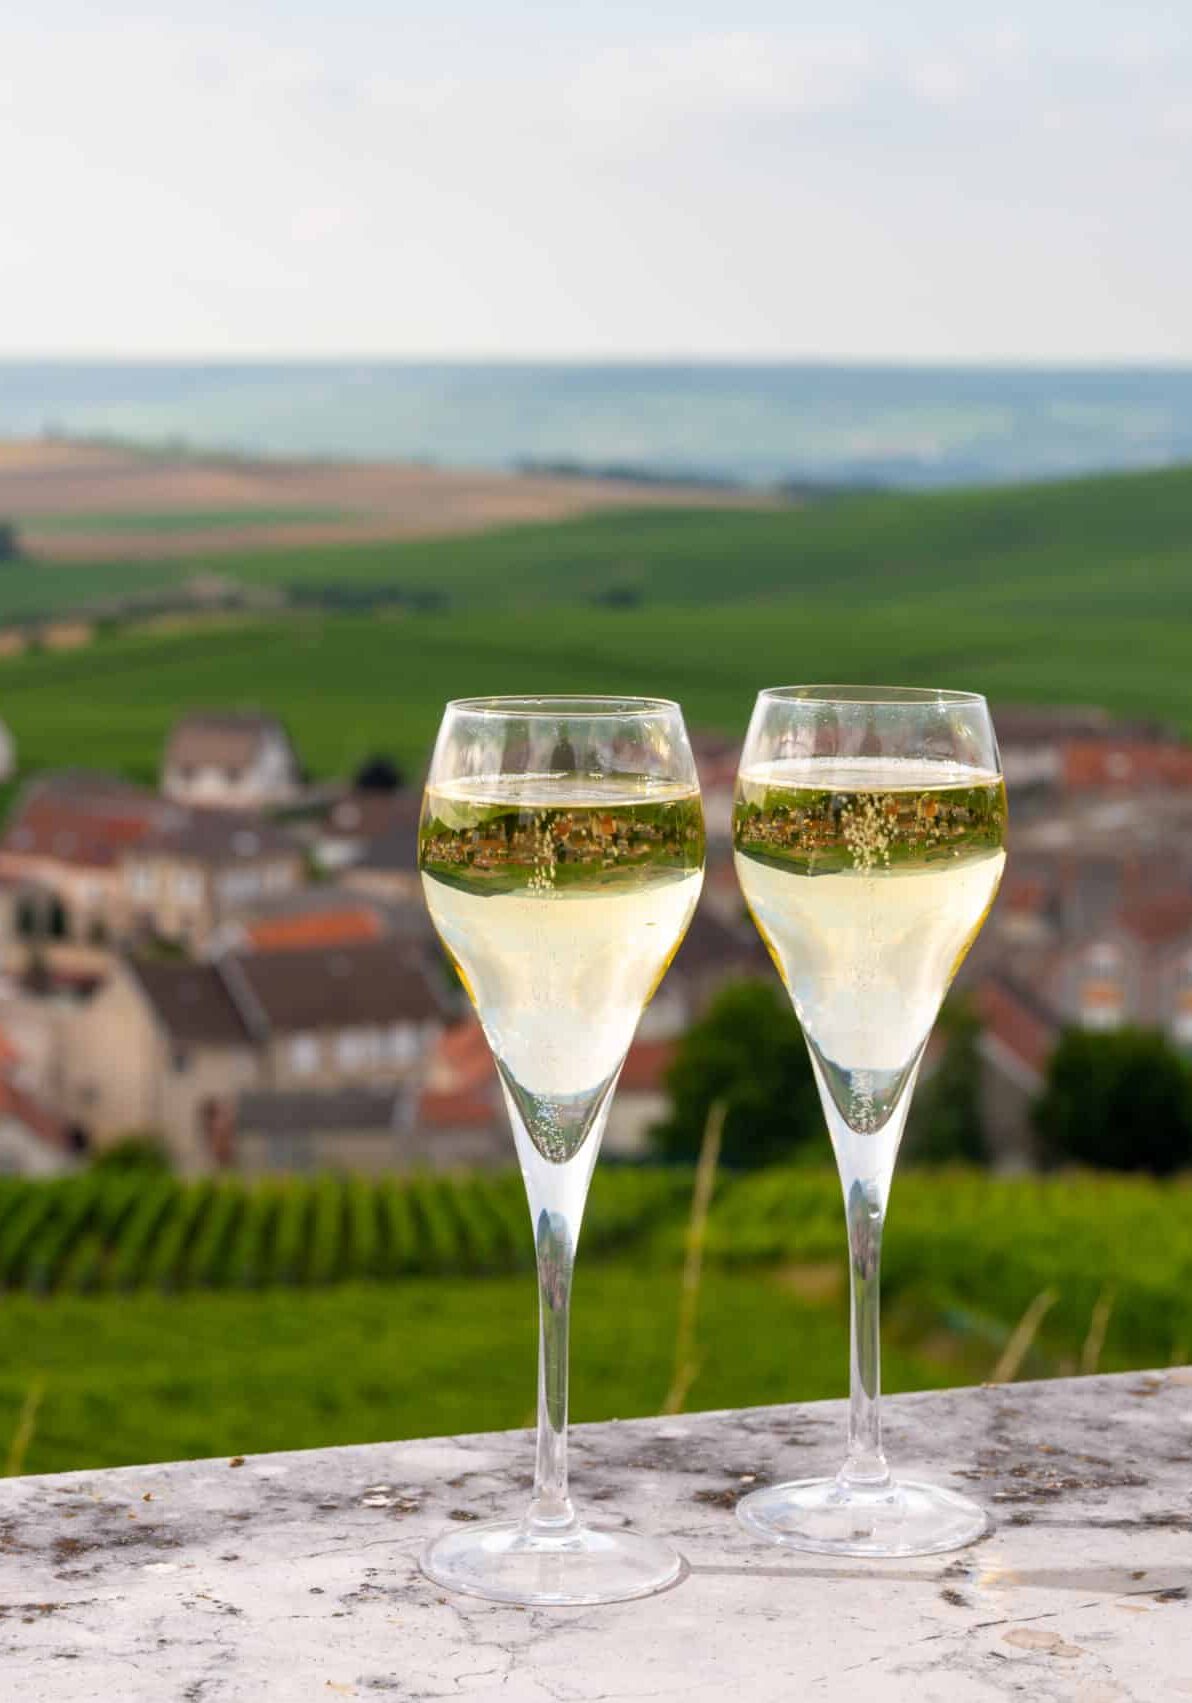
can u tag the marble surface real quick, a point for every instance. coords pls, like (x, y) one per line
(292, 1577)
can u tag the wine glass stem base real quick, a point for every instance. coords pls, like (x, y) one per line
(513, 1561)
(836, 1516)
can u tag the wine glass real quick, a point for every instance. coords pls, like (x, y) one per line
(868, 833)
(562, 851)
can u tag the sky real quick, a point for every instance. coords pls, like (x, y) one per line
(910, 182)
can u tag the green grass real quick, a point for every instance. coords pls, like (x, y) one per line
(148, 1378)
(351, 685)
(143, 1376)
(169, 521)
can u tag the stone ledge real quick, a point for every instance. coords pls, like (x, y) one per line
(282, 1580)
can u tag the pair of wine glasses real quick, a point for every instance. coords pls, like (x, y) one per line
(562, 853)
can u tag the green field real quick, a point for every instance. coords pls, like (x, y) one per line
(1063, 593)
(281, 1339)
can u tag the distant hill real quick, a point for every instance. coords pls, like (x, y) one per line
(1073, 592)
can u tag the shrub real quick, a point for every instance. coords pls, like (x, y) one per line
(945, 1121)
(140, 1150)
(1121, 1102)
(747, 1051)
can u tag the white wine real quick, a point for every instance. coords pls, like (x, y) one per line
(562, 900)
(868, 881)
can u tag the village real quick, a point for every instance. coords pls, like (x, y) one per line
(239, 966)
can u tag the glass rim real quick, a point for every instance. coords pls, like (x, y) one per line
(565, 706)
(890, 696)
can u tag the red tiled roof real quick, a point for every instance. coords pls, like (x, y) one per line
(319, 928)
(1023, 1031)
(1158, 921)
(89, 837)
(462, 1061)
(646, 1066)
(1117, 762)
(464, 1110)
(1027, 895)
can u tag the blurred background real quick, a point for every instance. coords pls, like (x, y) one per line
(356, 359)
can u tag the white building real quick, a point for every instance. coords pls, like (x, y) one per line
(232, 762)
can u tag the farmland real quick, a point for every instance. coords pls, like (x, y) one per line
(87, 502)
(970, 588)
(180, 1325)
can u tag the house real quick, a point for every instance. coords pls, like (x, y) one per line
(353, 1129)
(230, 762)
(641, 1099)
(89, 860)
(162, 1046)
(321, 914)
(1034, 739)
(63, 847)
(191, 875)
(173, 1046)
(717, 758)
(1018, 1035)
(460, 1118)
(1136, 969)
(361, 816)
(372, 839)
(327, 1017)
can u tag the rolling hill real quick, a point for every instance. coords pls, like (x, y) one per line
(1078, 592)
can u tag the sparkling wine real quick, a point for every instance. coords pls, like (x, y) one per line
(868, 882)
(561, 899)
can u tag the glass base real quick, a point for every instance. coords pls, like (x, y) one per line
(833, 1518)
(508, 1562)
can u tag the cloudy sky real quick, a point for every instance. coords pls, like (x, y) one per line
(520, 177)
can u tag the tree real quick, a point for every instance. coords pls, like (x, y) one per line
(945, 1121)
(748, 1051)
(1120, 1101)
(140, 1150)
(378, 774)
(10, 544)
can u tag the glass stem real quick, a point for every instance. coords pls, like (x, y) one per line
(551, 1513)
(865, 1211)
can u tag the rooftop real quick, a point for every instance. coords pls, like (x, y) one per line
(322, 987)
(191, 1002)
(242, 996)
(220, 740)
(1159, 920)
(216, 837)
(294, 1576)
(83, 819)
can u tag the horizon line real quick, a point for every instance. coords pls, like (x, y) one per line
(1074, 364)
